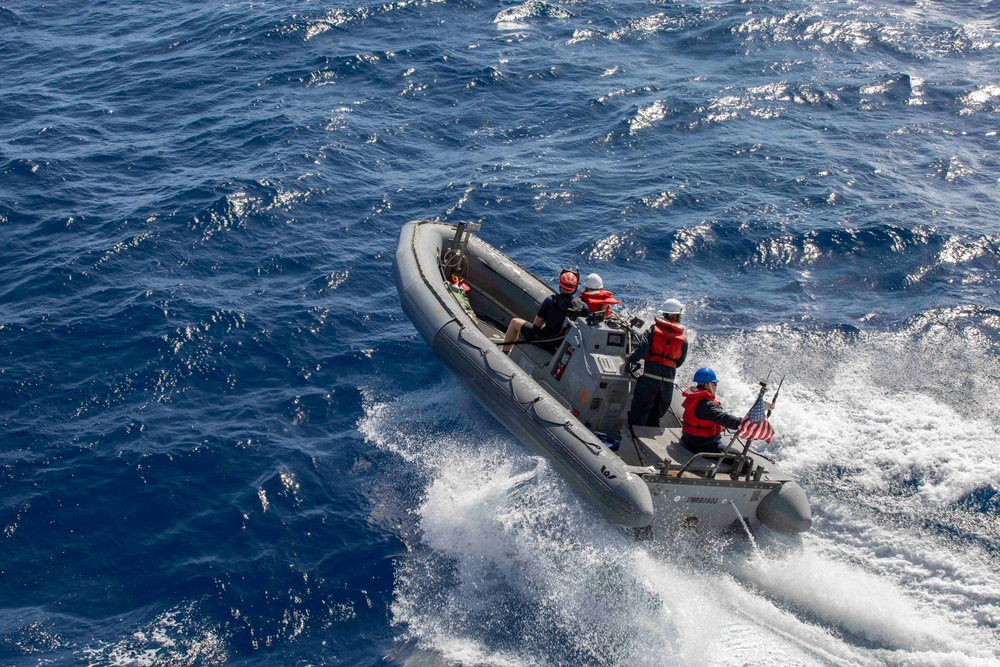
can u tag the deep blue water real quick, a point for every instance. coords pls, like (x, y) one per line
(224, 443)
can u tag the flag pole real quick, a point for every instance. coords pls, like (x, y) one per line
(774, 399)
(746, 445)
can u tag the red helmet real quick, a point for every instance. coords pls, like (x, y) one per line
(568, 281)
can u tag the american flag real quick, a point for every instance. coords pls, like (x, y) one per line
(754, 426)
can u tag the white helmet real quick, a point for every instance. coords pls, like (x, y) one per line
(594, 282)
(672, 307)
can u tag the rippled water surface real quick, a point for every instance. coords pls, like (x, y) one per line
(224, 443)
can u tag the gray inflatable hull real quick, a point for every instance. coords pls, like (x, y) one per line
(530, 413)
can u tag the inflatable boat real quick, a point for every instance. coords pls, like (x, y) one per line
(568, 401)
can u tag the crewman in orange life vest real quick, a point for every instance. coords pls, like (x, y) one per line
(595, 296)
(663, 348)
(704, 419)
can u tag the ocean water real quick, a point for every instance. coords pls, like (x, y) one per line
(223, 443)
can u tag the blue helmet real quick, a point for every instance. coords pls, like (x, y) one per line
(705, 375)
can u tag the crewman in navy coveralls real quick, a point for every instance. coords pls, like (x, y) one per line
(704, 419)
(663, 348)
(550, 317)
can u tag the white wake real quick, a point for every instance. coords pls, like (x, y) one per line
(508, 567)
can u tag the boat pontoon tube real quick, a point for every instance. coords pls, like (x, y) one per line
(529, 412)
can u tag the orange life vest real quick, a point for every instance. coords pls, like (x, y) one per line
(459, 283)
(597, 299)
(690, 424)
(667, 344)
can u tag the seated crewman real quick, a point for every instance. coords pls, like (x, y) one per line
(551, 315)
(595, 296)
(704, 419)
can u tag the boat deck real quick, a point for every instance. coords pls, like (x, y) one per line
(656, 446)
